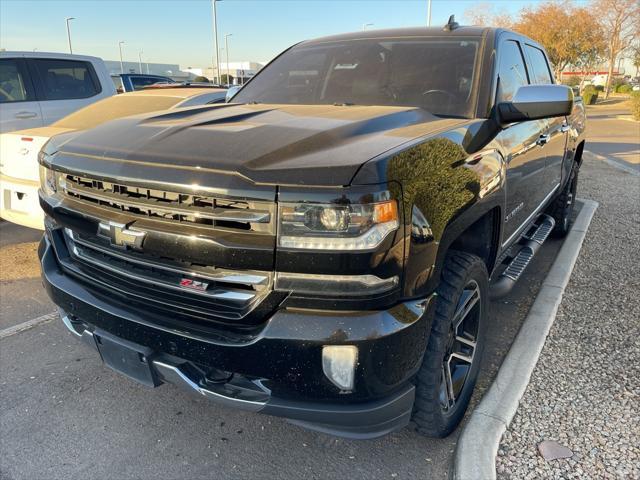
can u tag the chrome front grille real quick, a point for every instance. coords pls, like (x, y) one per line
(201, 210)
(226, 294)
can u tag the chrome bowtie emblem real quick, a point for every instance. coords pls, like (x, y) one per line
(121, 236)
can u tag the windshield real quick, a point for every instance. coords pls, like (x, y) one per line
(433, 73)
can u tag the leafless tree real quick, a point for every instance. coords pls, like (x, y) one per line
(620, 20)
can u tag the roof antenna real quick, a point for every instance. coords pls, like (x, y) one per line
(451, 24)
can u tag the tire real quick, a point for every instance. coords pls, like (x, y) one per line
(464, 282)
(562, 207)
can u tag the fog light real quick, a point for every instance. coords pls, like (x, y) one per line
(339, 365)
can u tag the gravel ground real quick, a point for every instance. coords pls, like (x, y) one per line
(585, 390)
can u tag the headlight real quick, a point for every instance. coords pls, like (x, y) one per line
(48, 181)
(319, 226)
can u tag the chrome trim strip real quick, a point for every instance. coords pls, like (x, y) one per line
(67, 322)
(231, 295)
(524, 224)
(172, 374)
(231, 277)
(218, 214)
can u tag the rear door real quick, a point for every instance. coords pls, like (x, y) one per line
(525, 156)
(555, 128)
(19, 108)
(63, 86)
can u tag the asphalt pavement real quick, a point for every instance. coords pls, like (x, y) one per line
(613, 135)
(63, 415)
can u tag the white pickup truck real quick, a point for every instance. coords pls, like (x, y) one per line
(38, 88)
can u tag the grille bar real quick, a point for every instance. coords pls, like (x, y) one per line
(165, 205)
(85, 256)
(256, 280)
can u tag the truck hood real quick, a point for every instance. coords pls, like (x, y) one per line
(260, 144)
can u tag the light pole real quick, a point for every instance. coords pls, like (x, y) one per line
(120, 43)
(226, 51)
(365, 25)
(216, 60)
(140, 60)
(428, 13)
(67, 20)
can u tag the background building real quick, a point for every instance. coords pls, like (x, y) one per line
(239, 72)
(167, 69)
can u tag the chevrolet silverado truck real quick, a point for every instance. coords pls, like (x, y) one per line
(323, 248)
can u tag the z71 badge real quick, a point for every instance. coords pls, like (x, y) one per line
(194, 284)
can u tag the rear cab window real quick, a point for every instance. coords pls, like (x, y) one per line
(139, 83)
(540, 72)
(15, 85)
(65, 79)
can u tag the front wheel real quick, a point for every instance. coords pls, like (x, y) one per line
(450, 367)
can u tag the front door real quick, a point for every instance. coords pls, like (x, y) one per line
(523, 145)
(526, 186)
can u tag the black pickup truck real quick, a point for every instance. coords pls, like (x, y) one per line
(324, 247)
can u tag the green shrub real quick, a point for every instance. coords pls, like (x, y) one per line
(590, 95)
(635, 105)
(624, 88)
(572, 81)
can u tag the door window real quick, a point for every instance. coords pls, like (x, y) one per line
(13, 84)
(66, 79)
(540, 73)
(140, 82)
(512, 73)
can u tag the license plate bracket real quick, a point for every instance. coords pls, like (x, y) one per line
(127, 358)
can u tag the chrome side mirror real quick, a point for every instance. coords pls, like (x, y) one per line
(231, 91)
(532, 102)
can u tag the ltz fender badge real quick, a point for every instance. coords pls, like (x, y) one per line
(194, 284)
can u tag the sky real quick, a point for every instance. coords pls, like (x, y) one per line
(180, 31)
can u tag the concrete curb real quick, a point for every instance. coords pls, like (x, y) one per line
(478, 444)
(628, 118)
(616, 163)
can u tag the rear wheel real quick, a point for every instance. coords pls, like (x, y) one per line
(562, 207)
(450, 367)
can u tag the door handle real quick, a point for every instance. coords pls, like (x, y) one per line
(565, 128)
(25, 114)
(543, 140)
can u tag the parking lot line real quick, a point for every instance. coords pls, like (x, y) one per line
(21, 327)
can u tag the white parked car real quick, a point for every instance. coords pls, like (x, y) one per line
(19, 178)
(37, 88)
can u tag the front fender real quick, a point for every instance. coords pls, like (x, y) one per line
(444, 191)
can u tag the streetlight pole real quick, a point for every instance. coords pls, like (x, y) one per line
(428, 13)
(216, 60)
(226, 51)
(140, 61)
(67, 20)
(365, 25)
(120, 43)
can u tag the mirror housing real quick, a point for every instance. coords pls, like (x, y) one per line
(231, 92)
(533, 102)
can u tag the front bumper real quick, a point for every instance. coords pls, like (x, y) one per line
(276, 370)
